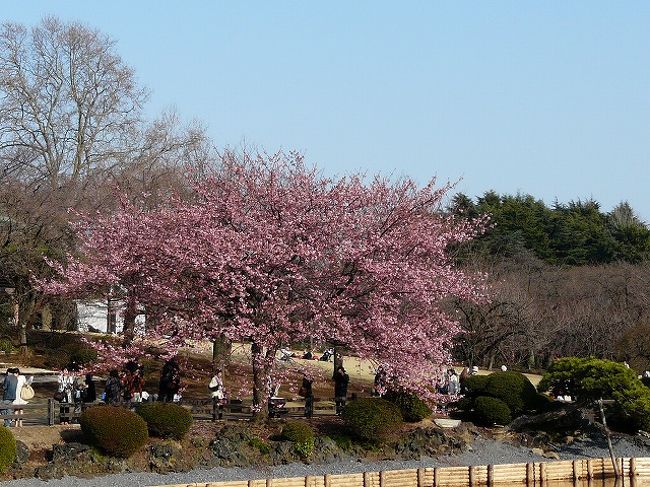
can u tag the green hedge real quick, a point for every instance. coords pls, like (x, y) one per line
(7, 448)
(372, 419)
(412, 407)
(166, 420)
(117, 431)
(514, 389)
(489, 411)
(475, 384)
(301, 434)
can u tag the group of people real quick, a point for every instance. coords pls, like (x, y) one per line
(14, 390)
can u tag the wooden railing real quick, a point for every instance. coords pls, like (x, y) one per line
(50, 412)
(521, 473)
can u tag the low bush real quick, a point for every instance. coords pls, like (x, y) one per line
(7, 448)
(514, 389)
(372, 419)
(166, 420)
(413, 408)
(301, 434)
(77, 352)
(7, 346)
(489, 411)
(116, 431)
(475, 384)
(260, 445)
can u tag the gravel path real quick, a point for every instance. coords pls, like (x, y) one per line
(484, 452)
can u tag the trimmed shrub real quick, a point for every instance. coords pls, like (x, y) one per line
(514, 389)
(116, 431)
(489, 411)
(412, 407)
(372, 418)
(166, 420)
(475, 384)
(7, 448)
(80, 353)
(7, 346)
(301, 435)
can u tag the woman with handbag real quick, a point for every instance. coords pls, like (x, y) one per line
(24, 392)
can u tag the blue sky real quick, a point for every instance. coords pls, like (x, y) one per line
(548, 98)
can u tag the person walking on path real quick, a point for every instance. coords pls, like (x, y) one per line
(9, 393)
(307, 391)
(341, 380)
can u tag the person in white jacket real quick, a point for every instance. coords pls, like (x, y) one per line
(21, 382)
(217, 392)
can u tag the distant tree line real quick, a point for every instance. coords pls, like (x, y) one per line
(566, 279)
(575, 233)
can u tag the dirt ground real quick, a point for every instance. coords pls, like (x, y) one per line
(43, 437)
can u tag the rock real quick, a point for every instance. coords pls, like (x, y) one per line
(568, 440)
(564, 419)
(537, 451)
(326, 451)
(232, 447)
(283, 453)
(77, 459)
(163, 457)
(429, 442)
(22, 452)
(551, 454)
(69, 453)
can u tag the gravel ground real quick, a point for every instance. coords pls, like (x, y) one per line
(484, 452)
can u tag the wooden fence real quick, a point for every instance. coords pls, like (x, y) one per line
(584, 470)
(50, 412)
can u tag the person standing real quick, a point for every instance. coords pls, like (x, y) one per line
(90, 392)
(307, 391)
(65, 394)
(454, 383)
(379, 386)
(170, 381)
(21, 381)
(113, 388)
(217, 392)
(9, 393)
(341, 380)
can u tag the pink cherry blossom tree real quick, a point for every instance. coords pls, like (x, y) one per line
(270, 253)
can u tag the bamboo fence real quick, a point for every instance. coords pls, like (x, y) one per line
(583, 470)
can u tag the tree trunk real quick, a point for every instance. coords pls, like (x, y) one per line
(260, 384)
(221, 350)
(130, 313)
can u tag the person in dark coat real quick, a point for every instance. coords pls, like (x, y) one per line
(341, 380)
(113, 388)
(307, 391)
(170, 381)
(9, 393)
(90, 392)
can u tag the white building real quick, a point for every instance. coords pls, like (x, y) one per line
(94, 316)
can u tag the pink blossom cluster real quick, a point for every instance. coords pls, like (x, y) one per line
(269, 252)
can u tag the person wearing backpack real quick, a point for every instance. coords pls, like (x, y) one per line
(24, 392)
